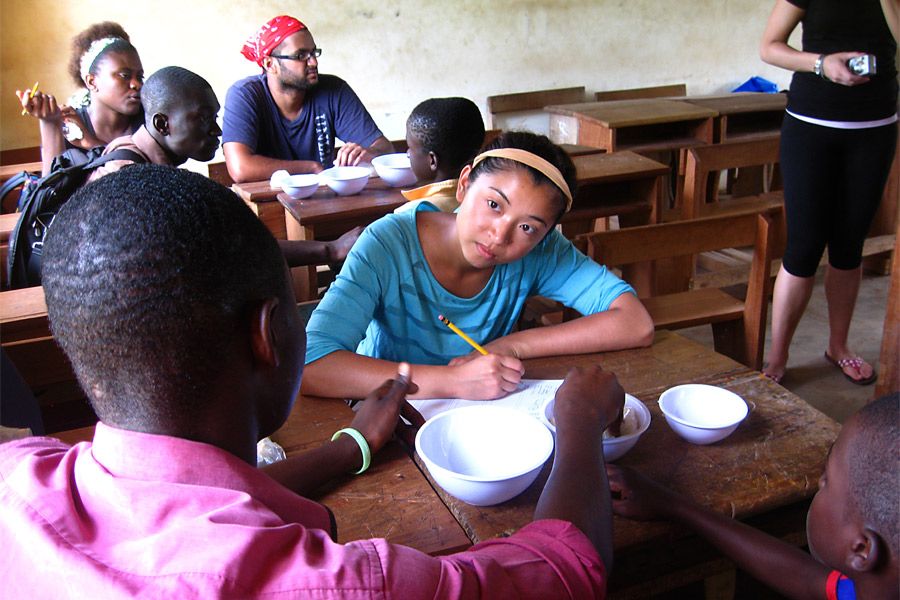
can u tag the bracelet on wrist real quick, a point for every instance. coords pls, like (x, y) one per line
(363, 446)
(818, 67)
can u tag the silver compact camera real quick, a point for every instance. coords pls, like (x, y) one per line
(862, 65)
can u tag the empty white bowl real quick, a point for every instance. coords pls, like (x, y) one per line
(484, 455)
(300, 186)
(613, 448)
(702, 414)
(395, 169)
(346, 181)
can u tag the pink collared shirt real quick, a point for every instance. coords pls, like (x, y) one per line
(140, 515)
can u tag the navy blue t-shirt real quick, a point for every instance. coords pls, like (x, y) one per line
(330, 109)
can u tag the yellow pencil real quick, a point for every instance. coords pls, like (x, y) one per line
(456, 329)
(30, 96)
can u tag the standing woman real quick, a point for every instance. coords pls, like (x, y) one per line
(837, 144)
(108, 69)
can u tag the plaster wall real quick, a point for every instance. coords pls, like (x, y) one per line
(395, 54)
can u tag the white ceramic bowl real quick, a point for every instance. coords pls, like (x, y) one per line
(484, 455)
(346, 181)
(702, 414)
(300, 186)
(394, 169)
(613, 448)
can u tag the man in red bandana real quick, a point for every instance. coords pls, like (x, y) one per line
(288, 116)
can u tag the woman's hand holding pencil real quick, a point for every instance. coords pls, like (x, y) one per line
(38, 105)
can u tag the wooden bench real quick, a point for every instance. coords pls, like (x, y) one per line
(739, 326)
(704, 163)
(657, 91)
(530, 101)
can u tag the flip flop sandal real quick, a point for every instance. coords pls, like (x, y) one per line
(856, 362)
(775, 378)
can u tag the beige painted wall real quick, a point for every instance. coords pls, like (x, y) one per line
(395, 54)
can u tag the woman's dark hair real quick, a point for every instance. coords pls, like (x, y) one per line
(539, 145)
(82, 42)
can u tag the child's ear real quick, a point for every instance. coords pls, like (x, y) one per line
(865, 554)
(463, 183)
(89, 82)
(262, 333)
(433, 161)
(160, 123)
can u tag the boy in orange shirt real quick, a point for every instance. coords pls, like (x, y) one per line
(443, 136)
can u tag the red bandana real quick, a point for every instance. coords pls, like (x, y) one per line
(269, 36)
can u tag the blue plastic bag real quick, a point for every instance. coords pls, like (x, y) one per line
(757, 84)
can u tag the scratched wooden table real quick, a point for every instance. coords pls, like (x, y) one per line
(392, 500)
(764, 473)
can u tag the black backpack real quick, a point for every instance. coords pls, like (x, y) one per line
(41, 200)
(21, 179)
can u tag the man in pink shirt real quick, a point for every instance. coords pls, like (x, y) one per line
(174, 305)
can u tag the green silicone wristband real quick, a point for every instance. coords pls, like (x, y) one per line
(363, 446)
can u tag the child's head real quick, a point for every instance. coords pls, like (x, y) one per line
(443, 135)
(105, 63)
(511, 197)
(152, 276)
(854, 518)
(180, 110)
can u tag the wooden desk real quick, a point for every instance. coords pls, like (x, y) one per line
(646, 125)
(767, 469)
(260, 197)
(743, 115)
(392, 499)
(7, 171)
(326, 216)
(23, 315)
(618, 183)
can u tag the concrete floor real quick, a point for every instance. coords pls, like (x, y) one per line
(809, 375)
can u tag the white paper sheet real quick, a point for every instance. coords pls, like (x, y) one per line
(530, 397)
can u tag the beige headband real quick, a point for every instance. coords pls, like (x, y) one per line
(534, 161)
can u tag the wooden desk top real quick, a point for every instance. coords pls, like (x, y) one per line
(7, 171)
(773, 459)
(392, 499)
(23, 314)
(255, 191)
(741, 102)
(325, 205)
(630, 113)
(625, 165)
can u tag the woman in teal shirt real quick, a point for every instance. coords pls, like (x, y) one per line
(476, 267)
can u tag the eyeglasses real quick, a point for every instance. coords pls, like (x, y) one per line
(302, 55)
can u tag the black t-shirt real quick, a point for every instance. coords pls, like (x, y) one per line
(843, 26)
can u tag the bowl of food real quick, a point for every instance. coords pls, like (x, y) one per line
(395, 169)
(346, 181)
(300, 186)
(635, 421)
(484, 455)
(702, 414)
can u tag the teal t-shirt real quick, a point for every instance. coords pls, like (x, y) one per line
(385, 302)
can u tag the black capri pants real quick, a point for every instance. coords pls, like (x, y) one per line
(833, 182)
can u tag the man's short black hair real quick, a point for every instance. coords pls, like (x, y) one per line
(875, 468)
(452, 128)
(169, 87)
(148, 273)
